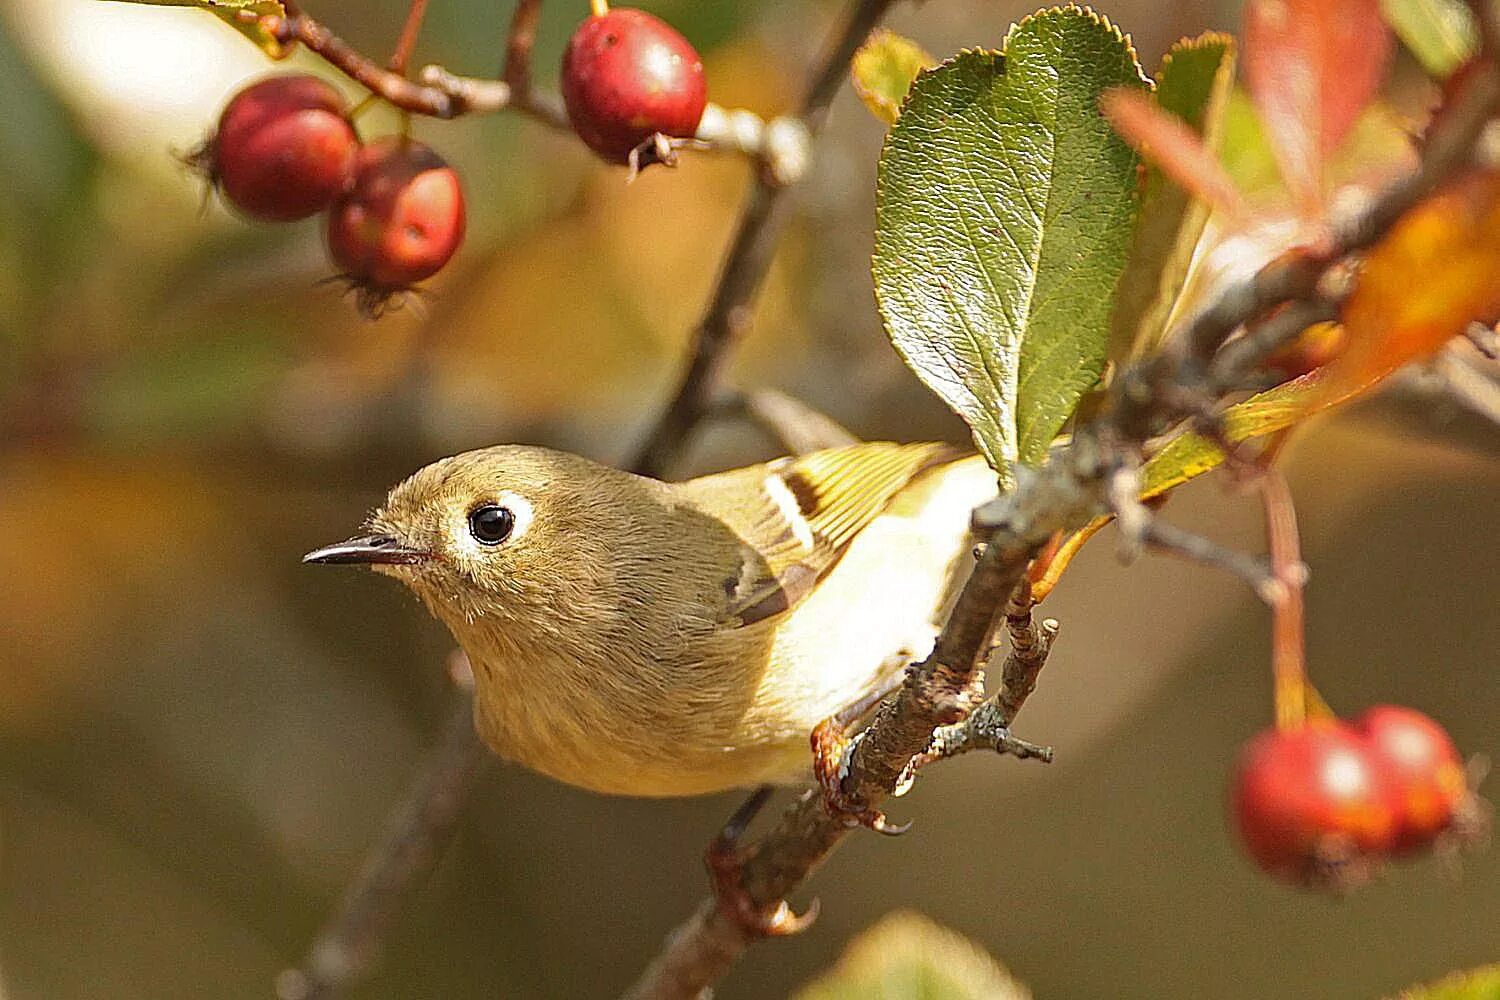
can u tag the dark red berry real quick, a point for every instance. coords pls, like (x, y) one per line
(1311, 807)
(401, 221)
(284, 148)
(625, 77)
(1423, 773)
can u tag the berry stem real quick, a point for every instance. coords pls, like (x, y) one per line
(408, 40)
(599, 7)
(1288, 659)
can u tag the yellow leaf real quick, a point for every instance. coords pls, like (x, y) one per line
(1437, 271)
(883, 70)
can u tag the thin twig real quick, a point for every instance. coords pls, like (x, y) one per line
(1030, 644)
(519, 43)
(415, 837)
(748, 260)
(779, 146)
(796, 427)
(1466, 385)
(407, 41)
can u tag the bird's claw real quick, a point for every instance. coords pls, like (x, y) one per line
(754, 919)
(831, 747)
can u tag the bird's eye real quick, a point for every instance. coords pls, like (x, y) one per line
(491, 524)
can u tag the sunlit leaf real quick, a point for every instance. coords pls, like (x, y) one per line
(908, 957)
(1003, 218)
(1440, 33)
(1475, 984)
(883, 70)
(1311, 67)
(237, 14)
(1177, 131)
(1436, 271)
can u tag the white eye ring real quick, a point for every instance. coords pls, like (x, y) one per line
(521, 509)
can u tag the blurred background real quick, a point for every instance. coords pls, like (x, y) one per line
(199, 737)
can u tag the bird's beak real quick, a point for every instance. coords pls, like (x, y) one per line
(367, 550)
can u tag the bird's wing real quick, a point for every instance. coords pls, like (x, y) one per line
(797, 516)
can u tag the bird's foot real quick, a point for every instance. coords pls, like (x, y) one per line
(831, 746)
(726, 862)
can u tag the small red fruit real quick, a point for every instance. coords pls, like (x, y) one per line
(626, 76)
(401, 221)
(1311, 807)
(284, 148)
(1423, 772)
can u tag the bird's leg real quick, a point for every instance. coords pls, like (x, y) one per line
(831, 746)
(725, 862)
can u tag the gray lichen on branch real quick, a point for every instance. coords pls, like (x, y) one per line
(1201, 366)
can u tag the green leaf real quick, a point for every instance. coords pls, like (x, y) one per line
(883, 70)
(1194, 84)
(1476, 984)
(1003, 218)
(1189, 455)
(1440, 33)
(908, 957)
(230, 11)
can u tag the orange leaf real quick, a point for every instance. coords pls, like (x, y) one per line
(1171, 144)
(1311, 67)
(1437, 271)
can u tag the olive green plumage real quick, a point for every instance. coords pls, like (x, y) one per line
(645, 638)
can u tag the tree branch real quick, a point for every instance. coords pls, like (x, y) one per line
(778, 146)
(425, 821)
(415, 837)
(761, 222)
(1147, 399)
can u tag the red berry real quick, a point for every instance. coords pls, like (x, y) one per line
(1311, 807)
(1423, 772)
(625, 77)
(284, 148)
(400, 222)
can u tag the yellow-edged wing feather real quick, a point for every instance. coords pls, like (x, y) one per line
(797, 516)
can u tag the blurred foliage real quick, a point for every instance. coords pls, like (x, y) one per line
(883, 70)
(908, 957)
(1476, 984)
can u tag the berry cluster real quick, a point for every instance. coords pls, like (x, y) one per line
(285, 149)
(1325, 803)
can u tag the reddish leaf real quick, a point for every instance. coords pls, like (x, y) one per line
(1312, 66)
(1171, 144)
(1437, 271)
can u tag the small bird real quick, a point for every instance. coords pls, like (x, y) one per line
(645, 638)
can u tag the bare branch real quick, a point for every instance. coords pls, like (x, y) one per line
(797, 427)
(519, 43)
(416, 834)
(748, 260)
(780, 146)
